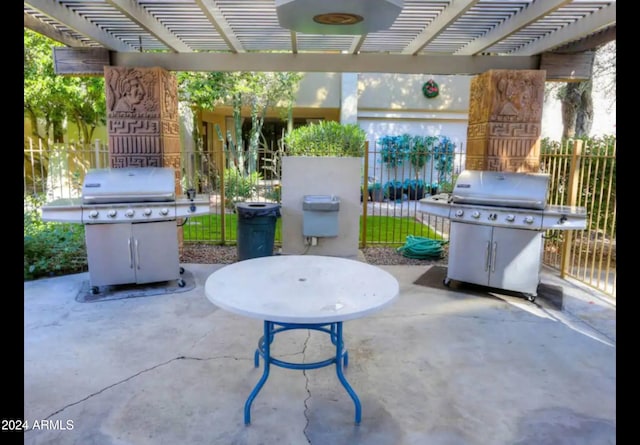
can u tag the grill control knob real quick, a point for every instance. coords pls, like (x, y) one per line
(459, 212)
(511, 218)
(493, 216)
(129, 213)
(112, 213)
(164, 211)
(147, 212)
(528, 219)
(475, 214)
(93, 214)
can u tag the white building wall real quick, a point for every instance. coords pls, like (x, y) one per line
(403, 92)
(319, 90)
(349, 105)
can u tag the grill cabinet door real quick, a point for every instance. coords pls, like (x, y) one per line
(155, 247)
(124, 253)
(516, 259)
(469, 253)
(109, 254)
(498, 257)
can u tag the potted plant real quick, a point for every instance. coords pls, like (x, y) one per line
(376, 193)
(394, 153)
(394, 190)
(414, 188)
(443, 156)
(420, 152)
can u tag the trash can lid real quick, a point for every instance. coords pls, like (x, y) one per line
(254, 209)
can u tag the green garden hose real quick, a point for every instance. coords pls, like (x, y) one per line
(421, 248)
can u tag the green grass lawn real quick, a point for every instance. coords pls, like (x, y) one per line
(381, 230)
(392, 230)
(208, 228)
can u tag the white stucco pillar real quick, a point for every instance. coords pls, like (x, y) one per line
(349, 98)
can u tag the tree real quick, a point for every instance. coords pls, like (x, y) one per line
(43, 90)
(54, 99)
(86, 105)
(257, 91)
(576, 97)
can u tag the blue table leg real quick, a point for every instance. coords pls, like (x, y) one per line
(265, 374)
(334, 339)
(343, 380)
(340, 359)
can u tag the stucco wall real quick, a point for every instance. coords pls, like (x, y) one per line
(319, 90)
(403, 92)
(308, 175)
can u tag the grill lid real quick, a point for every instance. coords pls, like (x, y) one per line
(128, 184)
(502, 189)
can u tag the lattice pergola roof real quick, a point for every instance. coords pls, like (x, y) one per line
(435, 36)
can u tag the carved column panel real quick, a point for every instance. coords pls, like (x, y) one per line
(142, 118)
(505, 114)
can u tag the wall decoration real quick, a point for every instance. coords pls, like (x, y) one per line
(430, 89)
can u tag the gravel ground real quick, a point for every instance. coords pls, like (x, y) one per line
(381, 256)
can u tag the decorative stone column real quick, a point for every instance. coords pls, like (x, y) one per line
(142, 118)
(505, 114)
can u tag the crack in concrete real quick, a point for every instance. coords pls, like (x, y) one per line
(182, 357)
(202, 337)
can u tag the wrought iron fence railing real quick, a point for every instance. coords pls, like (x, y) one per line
(582, 174)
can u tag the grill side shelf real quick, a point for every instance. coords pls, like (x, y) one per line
(63, 210)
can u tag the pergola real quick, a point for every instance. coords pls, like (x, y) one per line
(427, 36)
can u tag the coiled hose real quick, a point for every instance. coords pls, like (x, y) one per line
(421, 248)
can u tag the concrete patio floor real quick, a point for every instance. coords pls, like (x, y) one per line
(440, 367)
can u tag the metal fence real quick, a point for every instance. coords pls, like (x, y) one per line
(57, 170)
(582, 174)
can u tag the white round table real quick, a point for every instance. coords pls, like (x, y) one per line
(301, 292)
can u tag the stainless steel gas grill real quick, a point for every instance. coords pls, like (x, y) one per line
(497, 223)
(130, 217)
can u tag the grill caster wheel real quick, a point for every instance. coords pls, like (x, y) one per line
(531, 298)
(95, 290)
(181, 283)
(181, 270)
(446, 282)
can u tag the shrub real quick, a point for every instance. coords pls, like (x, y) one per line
(273, 193)
(326, 138)
(238, 187)
(394, 150)
(420, 152)
(443, 157)
(51, 248)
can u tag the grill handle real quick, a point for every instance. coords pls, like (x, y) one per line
(493, 257)
(487, 257)
(135, 244)
(130, 254)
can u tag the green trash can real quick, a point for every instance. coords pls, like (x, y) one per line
(256, 229)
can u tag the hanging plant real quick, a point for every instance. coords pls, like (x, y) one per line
(430, 89)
